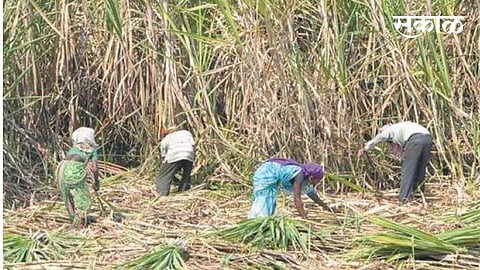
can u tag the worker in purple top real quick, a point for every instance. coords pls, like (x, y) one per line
(289, 175)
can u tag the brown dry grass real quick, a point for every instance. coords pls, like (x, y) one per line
(150, 221)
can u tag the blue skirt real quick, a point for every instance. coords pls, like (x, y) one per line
(267, 181)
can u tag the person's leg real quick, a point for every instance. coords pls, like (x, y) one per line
(176, 181)
(69, 204)
(264, 203)
(413, 151)
(82, 202)
(265, 191)
(258, 206)
(186, 175)
(74, 191)
(164, 178)
(423, 163)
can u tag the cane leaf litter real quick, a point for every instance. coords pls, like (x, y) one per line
(201, 229)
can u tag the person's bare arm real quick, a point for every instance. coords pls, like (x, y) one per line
(96, 183)
(297, 195)
(381, 137)
(316, 199)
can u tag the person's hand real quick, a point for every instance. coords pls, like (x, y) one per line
(361, 152)
(96, 185)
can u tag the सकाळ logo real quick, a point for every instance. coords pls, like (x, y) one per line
(424, 24)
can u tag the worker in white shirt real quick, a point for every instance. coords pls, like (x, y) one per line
(412, 143)
(178, 152)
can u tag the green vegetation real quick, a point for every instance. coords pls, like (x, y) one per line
(38, 246)
(168, 257)
(407, 242)
(275, 232)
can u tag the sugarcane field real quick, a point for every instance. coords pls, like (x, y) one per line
(241, 135)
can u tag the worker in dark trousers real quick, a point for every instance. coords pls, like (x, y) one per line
(412, 143)
(178, 153)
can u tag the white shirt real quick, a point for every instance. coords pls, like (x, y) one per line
(178, 145)
(397, 133)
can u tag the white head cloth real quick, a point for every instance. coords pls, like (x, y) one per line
(84, 135)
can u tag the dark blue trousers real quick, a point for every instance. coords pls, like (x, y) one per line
(414, 165)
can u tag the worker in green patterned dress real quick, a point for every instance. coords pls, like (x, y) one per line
(72, 174)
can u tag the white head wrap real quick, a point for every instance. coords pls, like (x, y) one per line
(84, 135)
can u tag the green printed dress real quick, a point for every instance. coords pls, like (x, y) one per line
(72, 174)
